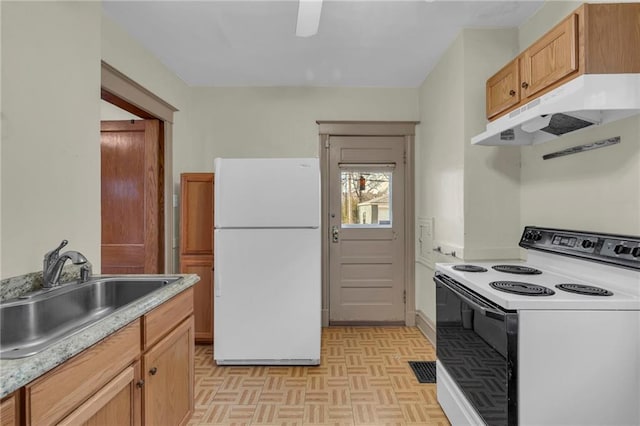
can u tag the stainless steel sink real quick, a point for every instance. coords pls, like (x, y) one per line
(30, 323)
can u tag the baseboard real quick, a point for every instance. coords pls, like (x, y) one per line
(367, 323)
(426, 326)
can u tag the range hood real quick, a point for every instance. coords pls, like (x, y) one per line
(587, 100)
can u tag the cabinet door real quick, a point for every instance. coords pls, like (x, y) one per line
(551, 58)
(117, 403)
(202, 295)
(54, 395)
(503, 89)
(9, 411)
(168, 375)
(196, 214)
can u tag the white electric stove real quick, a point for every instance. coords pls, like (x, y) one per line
(553, 340)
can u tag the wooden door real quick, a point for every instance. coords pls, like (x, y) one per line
(117, 403)
(196, 246)
(503, 89)
(168, 376)
(551, 58)
(366, 224)
(132, 215)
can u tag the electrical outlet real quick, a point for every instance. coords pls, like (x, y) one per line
(175, 200)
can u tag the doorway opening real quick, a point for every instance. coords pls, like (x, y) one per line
(137, 180)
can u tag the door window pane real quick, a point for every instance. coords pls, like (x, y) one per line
(366, 198)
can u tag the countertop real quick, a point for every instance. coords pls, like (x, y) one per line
(15, 373)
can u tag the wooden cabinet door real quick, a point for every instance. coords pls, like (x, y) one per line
(117, 403)
(59, 392)
(503, 89)
(196, 214)
(551, 58)
(9, 411)
(168, 375)
(202, 295)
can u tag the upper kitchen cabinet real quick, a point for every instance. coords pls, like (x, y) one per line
(551, 58)
(502, 89)
(595, 39)
(196, 246)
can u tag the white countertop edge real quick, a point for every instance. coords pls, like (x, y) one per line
(15, 373)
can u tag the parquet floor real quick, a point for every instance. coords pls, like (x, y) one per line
(364, 379)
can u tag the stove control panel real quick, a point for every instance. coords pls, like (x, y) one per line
(615, 249)
(624, 249)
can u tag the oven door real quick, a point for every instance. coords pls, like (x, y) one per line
(477, 345)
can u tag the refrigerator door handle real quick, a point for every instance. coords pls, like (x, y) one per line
(216, 286)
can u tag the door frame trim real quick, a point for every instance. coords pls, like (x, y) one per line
(120, 90)
(405, 129)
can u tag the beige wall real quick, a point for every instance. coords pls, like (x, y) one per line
(50, 131)
(111, 112)
(597, 190)
(492, 174)
(126, 55)
(468, 191)
(281, 122)
(440, 147)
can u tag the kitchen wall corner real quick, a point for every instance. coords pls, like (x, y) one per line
(50, 131)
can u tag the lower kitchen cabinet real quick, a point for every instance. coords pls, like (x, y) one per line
(9, 410)
(168, 380)
(55, 395)
(140, 375)
(202, 295)
(117, 403)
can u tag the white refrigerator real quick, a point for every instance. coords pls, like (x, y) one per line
(267, 292)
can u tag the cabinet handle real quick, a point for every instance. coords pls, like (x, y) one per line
(512, 92)
(153, 371)
(524, 85)
(140, 383)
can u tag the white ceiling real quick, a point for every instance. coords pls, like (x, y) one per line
(359, 43)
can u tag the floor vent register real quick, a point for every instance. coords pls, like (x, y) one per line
(425, 371)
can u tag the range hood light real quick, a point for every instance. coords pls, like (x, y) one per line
(536, 124)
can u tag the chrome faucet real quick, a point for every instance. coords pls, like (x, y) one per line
(54, 261)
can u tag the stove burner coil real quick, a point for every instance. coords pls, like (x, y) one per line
(521, 288)
(469, 268)
(516, 269)
(587, 290)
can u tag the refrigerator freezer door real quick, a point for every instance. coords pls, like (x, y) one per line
(267, 299)
(267, 193)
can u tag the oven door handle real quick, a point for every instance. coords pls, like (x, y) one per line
(485, 310)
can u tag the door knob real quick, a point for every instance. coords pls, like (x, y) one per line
(335, 234)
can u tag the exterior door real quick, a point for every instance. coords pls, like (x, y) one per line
(366, 229)
(132, 217)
